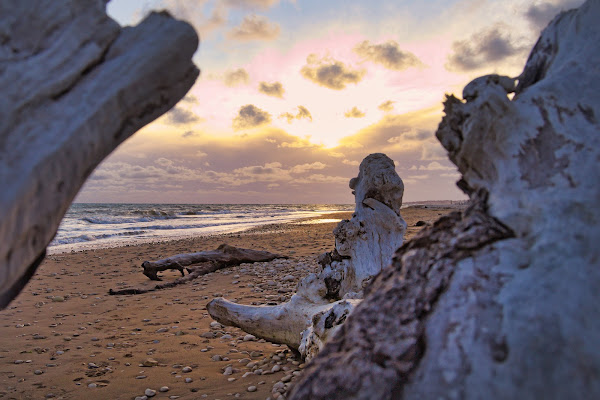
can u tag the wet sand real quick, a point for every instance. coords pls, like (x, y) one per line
(65, 337)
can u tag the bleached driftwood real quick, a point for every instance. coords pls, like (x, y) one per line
(363, 246)
(223, 256)
(198, 264)
(500, 301)
(74, 86)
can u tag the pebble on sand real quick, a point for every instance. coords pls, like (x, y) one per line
(150, 362)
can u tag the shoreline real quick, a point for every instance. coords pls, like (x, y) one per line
(65, 337)
(130, 241)
(125, 241)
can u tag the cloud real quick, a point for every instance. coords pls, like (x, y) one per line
(128, 175)
(217, 19)
(273, 168)
(453, 175)
(181, 116)
(354, 113)
(330, 73)
(386, 106)
(190, 99)
(269, 172)
(254, 27)
(289, 116)
(236, 77)
(303, 113)
(164, 162)
(433, 151)
(299, 169)
(189, 134)
(298, 144)
(482, 48)
(250, 116)
(193, 12)
(539, 15)
(274, 89)
(165, 174)
(425, 176)
(268, 164)
(436, 166)
(411, 134)
(387, 54)
(321, 178)
(249, 4)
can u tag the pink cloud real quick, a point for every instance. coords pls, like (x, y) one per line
(272, 63)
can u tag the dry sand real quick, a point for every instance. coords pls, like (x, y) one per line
(64, 337)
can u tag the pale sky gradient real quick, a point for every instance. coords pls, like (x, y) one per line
(293, 94)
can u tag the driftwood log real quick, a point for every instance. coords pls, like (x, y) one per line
(74, 86)
(363, 246)
(198, 264)
(500, 301)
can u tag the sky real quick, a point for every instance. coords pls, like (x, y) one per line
(293, 94)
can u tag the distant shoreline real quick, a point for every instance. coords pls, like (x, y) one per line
(153, 231)
(444, 202)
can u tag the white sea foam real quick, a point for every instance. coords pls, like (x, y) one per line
(109, 225)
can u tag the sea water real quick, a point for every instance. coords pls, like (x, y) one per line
(88, 226)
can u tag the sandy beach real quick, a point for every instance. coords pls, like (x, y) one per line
(65, 337)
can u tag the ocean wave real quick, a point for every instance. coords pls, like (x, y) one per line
(125, 220)
(170, 227)
(153, 213)
(91, 238)
(103, 224)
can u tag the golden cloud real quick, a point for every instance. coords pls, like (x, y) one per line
(387, 54)
(250, 116)
(302, 113)
(236, 77)
(330, 73)
(354, 113)
(386, 106)
(274, 89)
(254, 27)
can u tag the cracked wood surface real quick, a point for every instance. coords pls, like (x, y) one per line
(383, 340)
(364, 245)
(197, 264)
(501, 301)
(74, 86)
